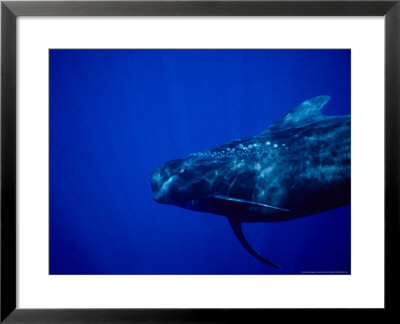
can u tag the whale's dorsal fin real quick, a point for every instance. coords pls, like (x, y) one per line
(307, 112)
(237, 229)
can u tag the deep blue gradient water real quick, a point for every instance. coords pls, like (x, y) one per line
(117, 114)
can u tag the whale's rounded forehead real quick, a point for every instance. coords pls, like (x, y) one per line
(174, 164)
(165, 171)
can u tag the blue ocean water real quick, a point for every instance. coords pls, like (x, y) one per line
(115, 115)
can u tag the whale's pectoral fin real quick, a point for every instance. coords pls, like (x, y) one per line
(237, 229)
(250, 203)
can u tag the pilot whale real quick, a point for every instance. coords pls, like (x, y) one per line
(298, 166)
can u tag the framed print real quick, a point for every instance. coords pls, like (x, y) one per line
(198, 161)
(210, 170)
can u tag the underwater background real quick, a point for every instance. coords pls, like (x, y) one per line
(115, 115)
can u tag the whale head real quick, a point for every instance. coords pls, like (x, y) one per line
(180, 182)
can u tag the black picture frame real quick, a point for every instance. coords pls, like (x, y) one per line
(10, 10)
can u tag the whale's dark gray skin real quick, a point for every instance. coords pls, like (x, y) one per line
(299, 166)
